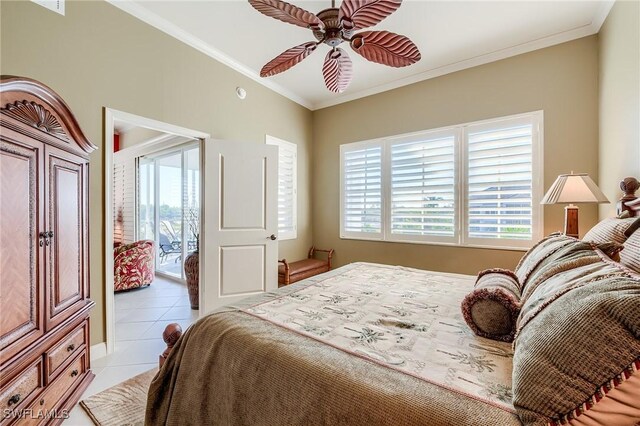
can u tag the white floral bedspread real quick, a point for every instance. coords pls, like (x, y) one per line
(403, 318)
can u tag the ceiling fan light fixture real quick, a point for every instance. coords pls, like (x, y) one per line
(333, 26)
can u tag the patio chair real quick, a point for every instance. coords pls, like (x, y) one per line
(167, 227)
(168, 247)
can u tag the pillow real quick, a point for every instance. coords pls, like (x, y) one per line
(577, 346)
(611, 229)
(632, 228)
(536, 254)
(547, 252)
(574, 255)
(612, 250)
(630, 256)
(491, 309)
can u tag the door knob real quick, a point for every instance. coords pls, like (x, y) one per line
(272, 237)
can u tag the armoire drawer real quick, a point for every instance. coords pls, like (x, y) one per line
(68, 347)
(45, 403)
(22, 387)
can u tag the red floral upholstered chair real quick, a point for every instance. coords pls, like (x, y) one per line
(133, 265)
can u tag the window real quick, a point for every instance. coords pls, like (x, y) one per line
(475, 184)
(287, 188)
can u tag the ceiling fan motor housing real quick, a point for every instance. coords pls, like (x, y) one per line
(333, 33)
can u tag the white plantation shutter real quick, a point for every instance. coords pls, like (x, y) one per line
(422, 188)
(361, 201)
(124, 201)
(500, 182)
(474, 184)
(287, 187)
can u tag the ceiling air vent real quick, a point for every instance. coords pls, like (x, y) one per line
(55, 5)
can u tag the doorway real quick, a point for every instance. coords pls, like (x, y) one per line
(153, 190)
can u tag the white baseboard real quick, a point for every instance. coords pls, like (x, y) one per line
(98, 351)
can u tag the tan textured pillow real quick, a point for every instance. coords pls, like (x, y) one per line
(630, 256)
(538, 253)
(579, 338)
(491, 309)
(611, 229)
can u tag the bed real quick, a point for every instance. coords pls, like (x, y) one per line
(365, 344)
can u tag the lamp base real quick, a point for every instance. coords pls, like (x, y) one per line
(571, 221)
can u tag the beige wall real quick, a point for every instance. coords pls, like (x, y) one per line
(98, 56)
(619, 42)
(561, 80)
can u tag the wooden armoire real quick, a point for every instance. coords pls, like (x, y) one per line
(44, 255)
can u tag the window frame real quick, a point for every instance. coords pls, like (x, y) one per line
(461, 198)
(280, 143)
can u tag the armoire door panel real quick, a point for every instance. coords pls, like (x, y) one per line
(66, 212)
(21, 284)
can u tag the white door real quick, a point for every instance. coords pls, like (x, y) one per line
(240, 222)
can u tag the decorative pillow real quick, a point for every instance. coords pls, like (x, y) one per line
(491, 309)
(630, 256)
(611, 229)
(612, 250)
(542, 259)
(580, 340)
(632, 228)
(536, 254)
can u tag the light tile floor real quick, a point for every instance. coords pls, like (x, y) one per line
(141, 316)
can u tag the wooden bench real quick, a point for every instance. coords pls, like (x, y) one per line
(289, 273)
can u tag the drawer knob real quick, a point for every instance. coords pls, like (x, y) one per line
(14, 399)
(74, 373)
(71, 347)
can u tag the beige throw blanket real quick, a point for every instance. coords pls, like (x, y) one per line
(236, 368)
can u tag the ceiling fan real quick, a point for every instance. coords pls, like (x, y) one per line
(333, 26)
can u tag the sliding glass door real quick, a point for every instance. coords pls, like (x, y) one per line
(170, 180)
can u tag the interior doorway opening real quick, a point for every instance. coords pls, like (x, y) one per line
(153, 211)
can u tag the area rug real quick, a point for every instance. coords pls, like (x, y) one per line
(122, 404)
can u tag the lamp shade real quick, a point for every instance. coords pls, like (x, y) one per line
(574, 188)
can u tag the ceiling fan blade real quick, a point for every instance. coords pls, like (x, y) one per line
(385, 48)
(287, 59)
(359, 14)
(337, 70)
(287, 13)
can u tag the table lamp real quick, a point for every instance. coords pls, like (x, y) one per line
(573, 188)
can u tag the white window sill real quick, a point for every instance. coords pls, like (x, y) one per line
(432, 243)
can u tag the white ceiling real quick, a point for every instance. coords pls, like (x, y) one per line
(451, 35)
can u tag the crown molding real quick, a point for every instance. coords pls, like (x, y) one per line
(586, 30)
(176, 32)
(601, 15)
(173, 30)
